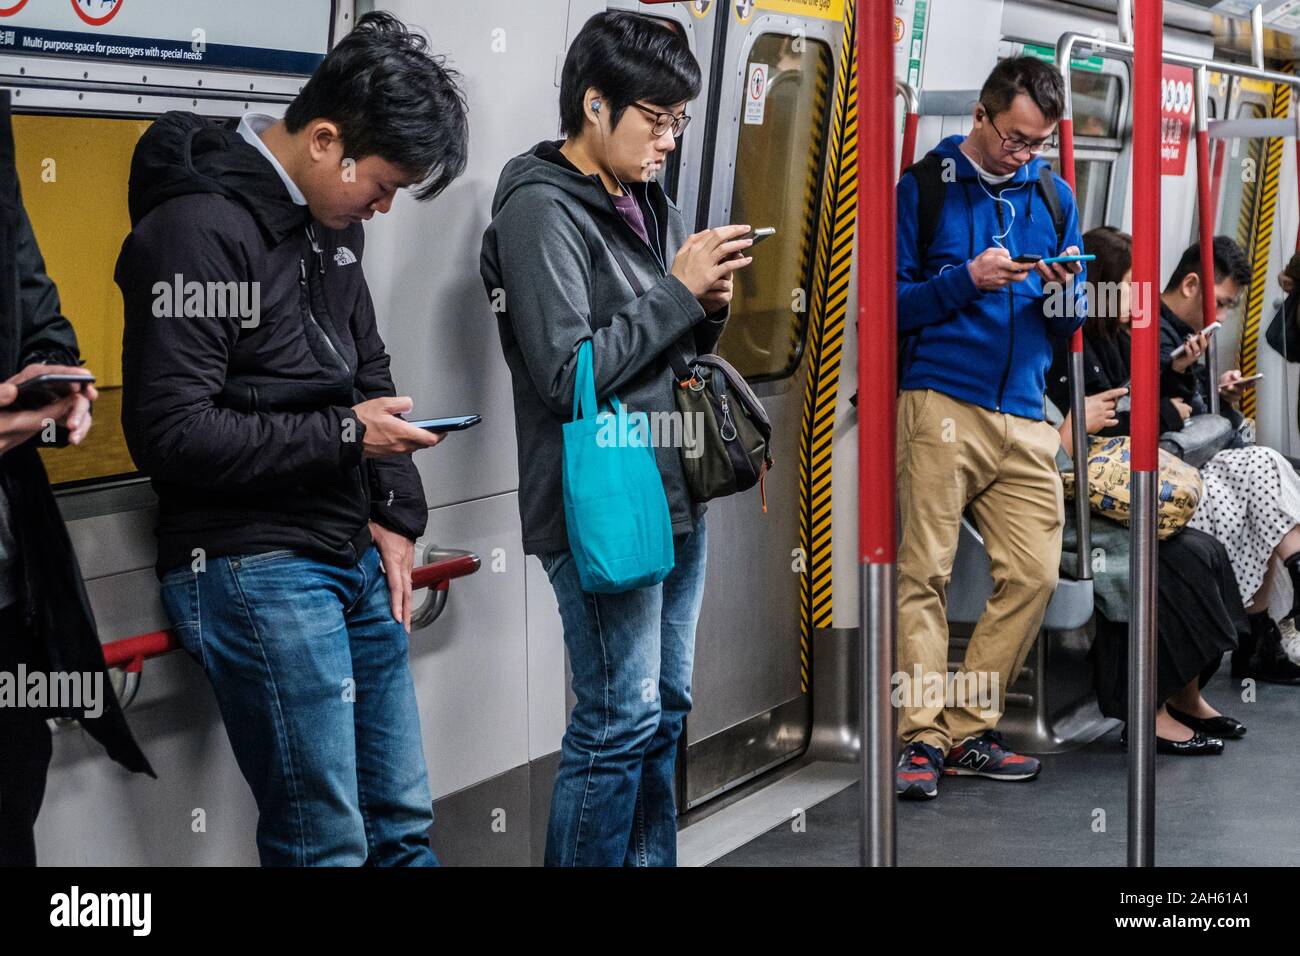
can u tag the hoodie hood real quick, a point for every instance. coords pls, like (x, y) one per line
(545, 164)
(182, 154)
(950, 148)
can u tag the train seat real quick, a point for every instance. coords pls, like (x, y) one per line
(1051, 708)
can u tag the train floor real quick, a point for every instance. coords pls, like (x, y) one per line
(1241, 808)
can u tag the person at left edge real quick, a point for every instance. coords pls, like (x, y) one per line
(288, 503)
(46, 621)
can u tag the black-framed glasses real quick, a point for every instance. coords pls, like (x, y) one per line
(1012, 145)
(665, 121)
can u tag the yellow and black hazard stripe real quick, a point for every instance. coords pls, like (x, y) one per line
(828, 309)
(1264, 215)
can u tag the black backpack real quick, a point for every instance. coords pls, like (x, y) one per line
(932, 191)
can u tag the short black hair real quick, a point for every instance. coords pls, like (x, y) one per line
(391, 98)
(1028, 75)
(627, 57)
(1230, 262)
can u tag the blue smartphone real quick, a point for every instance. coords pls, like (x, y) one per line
(1048, 262)
(454, 424)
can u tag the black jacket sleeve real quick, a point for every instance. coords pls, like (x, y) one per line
(174, 368)
(45, 334)
(396, 493)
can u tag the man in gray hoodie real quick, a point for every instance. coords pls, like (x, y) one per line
(585, 245)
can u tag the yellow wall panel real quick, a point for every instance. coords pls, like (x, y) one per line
(73, 172)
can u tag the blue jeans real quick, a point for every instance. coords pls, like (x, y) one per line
(631, 656)
(312, 678)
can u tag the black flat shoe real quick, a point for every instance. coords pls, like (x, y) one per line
(1198, 746)
(1220, 726)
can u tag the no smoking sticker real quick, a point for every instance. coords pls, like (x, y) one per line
(756, 94)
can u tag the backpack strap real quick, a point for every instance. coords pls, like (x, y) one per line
(931, 191)
(1047, 183)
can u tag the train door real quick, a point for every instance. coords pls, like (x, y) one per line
(770, 116)
(1246, 167)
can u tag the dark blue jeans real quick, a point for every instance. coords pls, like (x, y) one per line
(631, 656)
(313, 681)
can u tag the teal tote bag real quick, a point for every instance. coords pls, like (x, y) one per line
(620, 532)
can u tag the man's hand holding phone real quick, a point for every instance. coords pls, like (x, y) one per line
(386, 434)
(1190, 352)
(703, 265)
(994, 269)
(1061, 272)
(1231, 384)
(72, 410)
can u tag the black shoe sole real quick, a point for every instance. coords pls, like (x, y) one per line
(916, 792)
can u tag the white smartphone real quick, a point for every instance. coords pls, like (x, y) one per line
(1208, 331)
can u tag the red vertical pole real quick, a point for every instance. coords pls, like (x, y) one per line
(1220, 149)
(1146, 233)
(877, 298)
(1147, 62)
(1066, 134)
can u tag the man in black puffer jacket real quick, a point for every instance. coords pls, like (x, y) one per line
(257, 396)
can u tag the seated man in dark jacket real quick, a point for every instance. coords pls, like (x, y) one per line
(257, 397)
(1181, 324)
(45, 616)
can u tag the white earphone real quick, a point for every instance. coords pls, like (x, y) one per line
(595, 108)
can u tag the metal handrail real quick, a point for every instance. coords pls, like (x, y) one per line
(441, 566)
(911, 119)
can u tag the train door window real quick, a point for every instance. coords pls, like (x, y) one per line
(73, 171)
(779, 159)
(1096, 98)
(1244, 161)
(1093, 180)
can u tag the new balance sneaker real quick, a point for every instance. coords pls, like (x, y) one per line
(917, 777)
(986, 756)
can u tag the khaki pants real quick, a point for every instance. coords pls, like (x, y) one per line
(952, 455)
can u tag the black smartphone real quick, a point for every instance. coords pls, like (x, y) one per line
(454, 424)
(46, 389)
(1028, 259)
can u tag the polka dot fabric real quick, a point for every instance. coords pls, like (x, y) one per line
(1251, 500)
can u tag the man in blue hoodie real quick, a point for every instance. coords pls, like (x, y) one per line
(975, 333)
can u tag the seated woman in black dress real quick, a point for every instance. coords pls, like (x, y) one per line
(1199, 611)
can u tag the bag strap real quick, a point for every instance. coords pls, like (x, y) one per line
(584, 384)
(674, 353)
(1047, 183)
